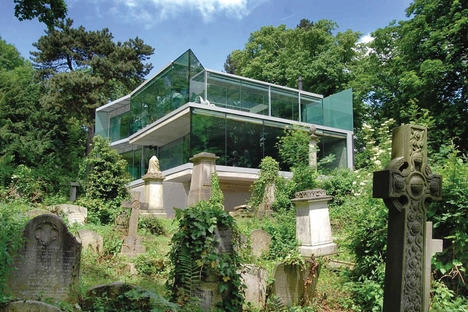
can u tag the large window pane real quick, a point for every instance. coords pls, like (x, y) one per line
(173, 154)
(244, 141)
(284, 104)
(333, 144)
(273, 131)
(208, 134)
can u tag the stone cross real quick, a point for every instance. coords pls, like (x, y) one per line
(407, 187)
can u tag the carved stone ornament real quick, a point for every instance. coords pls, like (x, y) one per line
(315, 193)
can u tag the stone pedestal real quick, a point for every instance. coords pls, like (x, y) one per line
(204, 165)
(154, 194)
(313, 229)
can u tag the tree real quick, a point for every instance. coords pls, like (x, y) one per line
(421, 60)
(86, 69)
(30, 134)
(280, 55)
(48, 12)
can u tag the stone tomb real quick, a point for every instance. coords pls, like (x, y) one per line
(255, 279)
(48, 265)
(313, 229)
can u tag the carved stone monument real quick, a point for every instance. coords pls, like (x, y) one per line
(313, 139)
(313, 229)
(407, 186)
(48, 265)
(132, 245)
(204, 165)
(154, 189)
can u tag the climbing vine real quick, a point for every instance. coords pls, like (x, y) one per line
(197, 254)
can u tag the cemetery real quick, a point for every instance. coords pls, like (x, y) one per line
(280, 254)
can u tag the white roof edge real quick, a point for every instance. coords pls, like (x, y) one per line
(123, 98)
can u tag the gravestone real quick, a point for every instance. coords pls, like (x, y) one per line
(132, 245)
(74, 186)
(313, 228)
(407, 187)
(73, 213)
(92, 240)
(265, 209)
(260, 242)
(255, 279)
(291, 282)
(48, 264)
(204, 165)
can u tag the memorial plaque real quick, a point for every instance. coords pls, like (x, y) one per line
(48, 264)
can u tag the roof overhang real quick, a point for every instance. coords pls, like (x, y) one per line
(165, 130)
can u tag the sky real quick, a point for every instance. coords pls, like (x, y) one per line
(211, 28)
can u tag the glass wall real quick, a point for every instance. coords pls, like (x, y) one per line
(165, 92)
(338, 110)
(333, 145)
(239, 141)
(120, 126)
(284, 104)
(175, 153)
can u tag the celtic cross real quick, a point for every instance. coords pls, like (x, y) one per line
(407, 187)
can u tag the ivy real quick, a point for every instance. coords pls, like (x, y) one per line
(195, 254)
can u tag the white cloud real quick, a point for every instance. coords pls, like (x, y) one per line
(153, 11)
(366, 39)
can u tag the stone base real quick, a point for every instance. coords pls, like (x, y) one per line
(319, 250)
(132, 247)
(158, 213)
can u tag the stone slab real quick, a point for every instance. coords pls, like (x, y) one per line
(92, 240)
(48, 264)
(29, 306)
(260, 242)
(73, 213)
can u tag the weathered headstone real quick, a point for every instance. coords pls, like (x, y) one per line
(265, 209)
(313, 229)
(92, 240)
(48, 264)
(73, 213)
(291, 282)
(132, 245)
(204, 165)
(407, 186)
(260, 242)
(255, 279)
(154, 189)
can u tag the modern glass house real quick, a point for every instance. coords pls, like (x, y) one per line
(186, 109)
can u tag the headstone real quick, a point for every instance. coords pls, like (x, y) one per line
(37, 212)
(432, 246)
(223, 236)
(48, 264)
(291, 282)
(73, 213)
(255, 279)
(92, 240)
(154, 189)
(29, 306)
(313, 229)
(74, 186)
(132, 245)
(260, 242)
(407, 186)
(204, 165)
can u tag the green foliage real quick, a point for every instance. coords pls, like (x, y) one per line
(130, 298)
(151, 224)
(195, 256)
(444, 299)
(280, 55)
(47, 11)
(450, 218)
(282, 229)
(104, 176)
(268, 175)
(304, 177)
(12, 222)
(86, 69)
(293, 147)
